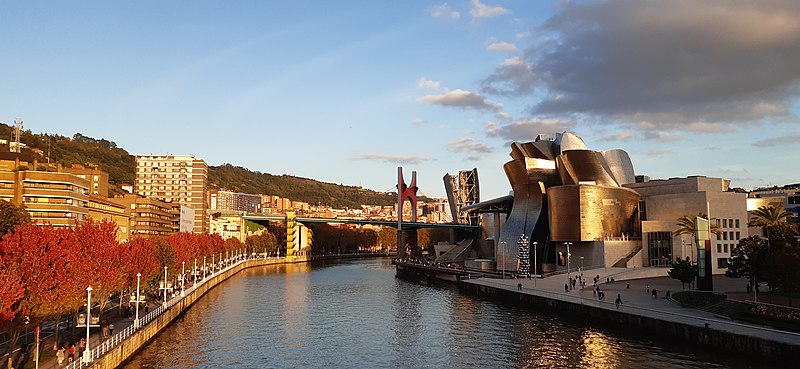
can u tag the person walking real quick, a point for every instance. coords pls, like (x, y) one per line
(110, 329)
(60, 355)
(618, 300)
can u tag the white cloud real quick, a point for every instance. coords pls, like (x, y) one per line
(444, 11)
(461, 99)
(418, 122)
(427, 84)
(524, 35)
(502, 116)
(514, 77)
(394, 159)
(480, 10)
(623, 135)
(467, 145)
(502, 46)
(658, 152)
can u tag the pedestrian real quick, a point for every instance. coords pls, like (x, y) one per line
(103, 330)
(608, 280)
(110, 329)
(648, 287)
(60, 354)
(618, 301)
(655, 293)
(566, 287)
(519, 286)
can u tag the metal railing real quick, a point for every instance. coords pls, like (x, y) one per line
(113, 341)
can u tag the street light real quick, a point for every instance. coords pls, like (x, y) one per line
(194, 271)
(165, 285)
(568, 274)
(183, 275)
(87, 354)
(535, 263)
(204, 268)
(136, 321)
(502, 263)
(581, 263)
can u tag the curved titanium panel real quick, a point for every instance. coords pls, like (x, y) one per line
(577, 166)
(569, 141)
(621, 166)
(590, 213)
(527, 208)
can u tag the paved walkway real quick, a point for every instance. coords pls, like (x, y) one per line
(637, 300)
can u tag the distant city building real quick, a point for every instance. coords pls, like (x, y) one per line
(664, 201)
(98, 179)
(150, 217)
(234, 201)
(642, 178)
(227, 226)
(50, 197)
(181, 179)
(103, 209)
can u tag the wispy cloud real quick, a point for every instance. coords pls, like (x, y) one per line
(461, 99)
(467, 145)
(444, 11)
(502, 46)
(789, 140)
(658, 152)
(418, 122)
(427, 84)
(623, 135)
(394, 159)
(480, 10)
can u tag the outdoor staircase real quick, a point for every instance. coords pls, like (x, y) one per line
(458, 253)
(623, 263)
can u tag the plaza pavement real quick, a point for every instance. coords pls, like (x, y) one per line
(636, 299)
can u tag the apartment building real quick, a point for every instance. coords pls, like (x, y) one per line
(149, 217)
(100, 209)
(98, 179)
(50, 197)
(223, 200)
(181, 179)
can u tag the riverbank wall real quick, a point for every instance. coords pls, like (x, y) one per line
(700, 336)
(123, 351)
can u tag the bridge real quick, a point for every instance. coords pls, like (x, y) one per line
(262, 219)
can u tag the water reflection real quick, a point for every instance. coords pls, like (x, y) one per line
(358, 315)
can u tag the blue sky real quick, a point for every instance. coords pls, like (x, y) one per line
(346, 91)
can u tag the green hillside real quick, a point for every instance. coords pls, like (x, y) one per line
(104, 154)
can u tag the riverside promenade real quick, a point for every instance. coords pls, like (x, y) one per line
(640, 311)
(127, 340)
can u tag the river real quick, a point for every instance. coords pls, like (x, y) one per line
(356, 314)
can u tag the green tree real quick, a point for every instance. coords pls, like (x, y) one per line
(11, 216)
(781, 271)
(684, 271)
(772, 219)
(768, 216)
(747, 258)
(387, 238)
(686, 225)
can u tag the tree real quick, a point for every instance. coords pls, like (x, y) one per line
(387, 238)
(102, 255)
(37, 255)
(781, 271)
(11, 291)
(768, 216)
(683, 270)
(11, 216)
(747, 258)
(686, 225)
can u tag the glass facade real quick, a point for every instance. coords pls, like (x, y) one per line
(659, 248)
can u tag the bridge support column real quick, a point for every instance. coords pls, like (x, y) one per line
(407, 238)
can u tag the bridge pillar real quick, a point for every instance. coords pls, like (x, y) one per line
(407, 239)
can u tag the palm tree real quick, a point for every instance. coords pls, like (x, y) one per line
(768, 217)
(686, 225)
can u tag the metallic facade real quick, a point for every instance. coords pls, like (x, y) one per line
(564, 192)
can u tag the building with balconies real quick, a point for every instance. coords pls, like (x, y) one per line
(181, 179)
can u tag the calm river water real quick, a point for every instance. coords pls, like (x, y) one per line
(356, 314)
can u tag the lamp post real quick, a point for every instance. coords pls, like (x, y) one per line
(581, 263)
(204, 268)
(568, 273)
(183, 276)
(138, 281)
(194, 271)
(165, 285)
(213, 261)
(535, 263)
(502, 263)
(87, 354)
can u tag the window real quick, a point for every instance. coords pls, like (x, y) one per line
(725, 236)
(730, 234)
(719, 247)
(724, 223)
(722, 262)
(738, 235)
(659, 247)
(726, 248)
(737, 223)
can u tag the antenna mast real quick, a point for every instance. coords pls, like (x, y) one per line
(17, 128)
